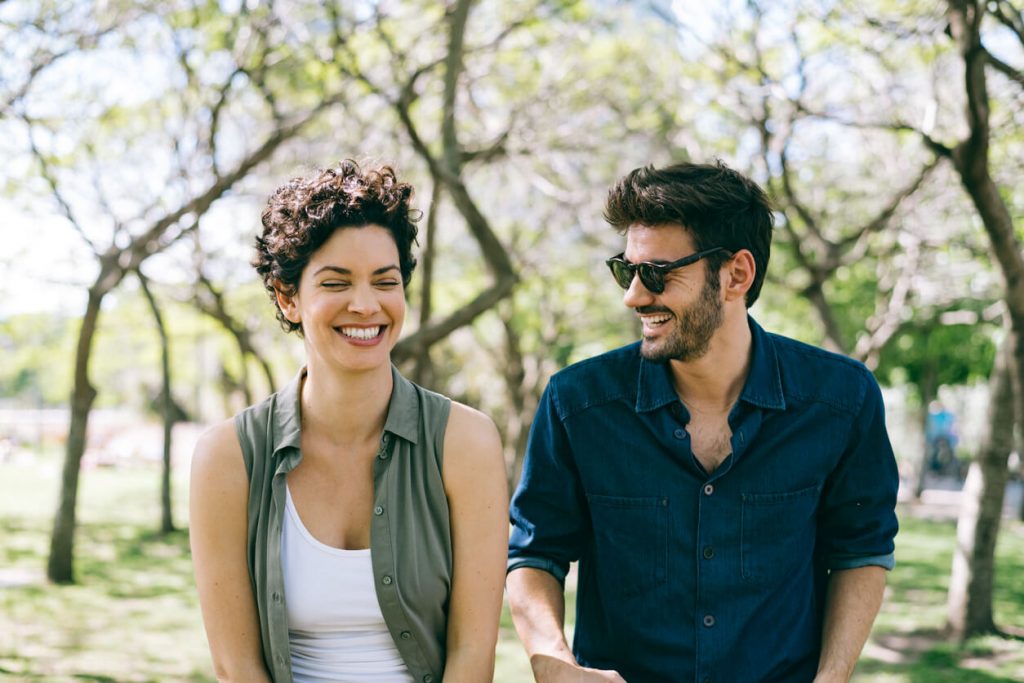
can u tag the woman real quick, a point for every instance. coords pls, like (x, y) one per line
(352, 526)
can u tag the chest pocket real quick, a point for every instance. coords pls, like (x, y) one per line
(777, 533)
(630, 543)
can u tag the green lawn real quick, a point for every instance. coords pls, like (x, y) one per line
(134, 616)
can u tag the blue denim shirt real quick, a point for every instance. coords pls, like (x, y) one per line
(689, 577)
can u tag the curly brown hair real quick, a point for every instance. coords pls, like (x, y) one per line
(302, 214)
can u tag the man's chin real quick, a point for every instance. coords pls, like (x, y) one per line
(653, 351)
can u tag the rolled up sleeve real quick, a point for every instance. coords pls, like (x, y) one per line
(857, 517)
(547, 512)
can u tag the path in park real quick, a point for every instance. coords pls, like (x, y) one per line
(941, 499)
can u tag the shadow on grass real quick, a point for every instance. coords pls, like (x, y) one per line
(941, 664)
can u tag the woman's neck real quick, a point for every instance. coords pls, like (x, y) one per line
(345, 408)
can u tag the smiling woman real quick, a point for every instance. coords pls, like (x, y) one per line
(328, 540)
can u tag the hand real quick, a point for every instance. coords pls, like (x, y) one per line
(547, 669)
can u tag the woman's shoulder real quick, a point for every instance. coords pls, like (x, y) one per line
(471, 440)
(218, 452)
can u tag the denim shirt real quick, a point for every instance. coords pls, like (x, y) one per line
(685, 576)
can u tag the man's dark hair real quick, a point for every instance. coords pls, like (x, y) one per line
(717, 206)
(302, 215)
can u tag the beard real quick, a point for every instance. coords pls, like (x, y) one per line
(694, 327)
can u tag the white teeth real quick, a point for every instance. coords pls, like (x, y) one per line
(654, 319)
(361, 332)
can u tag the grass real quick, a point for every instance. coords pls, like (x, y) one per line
(133, 615)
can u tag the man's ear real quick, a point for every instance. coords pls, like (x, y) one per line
(738, 275)
(288, 303)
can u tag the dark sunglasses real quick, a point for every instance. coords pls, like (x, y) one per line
(652, 275)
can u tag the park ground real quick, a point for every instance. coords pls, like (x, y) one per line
(133, 615)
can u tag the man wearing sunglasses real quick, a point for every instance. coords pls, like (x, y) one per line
(729, 493)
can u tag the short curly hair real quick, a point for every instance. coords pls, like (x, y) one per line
(302, 214)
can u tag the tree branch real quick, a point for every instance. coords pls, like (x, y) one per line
(464, 315)
(1002, 67)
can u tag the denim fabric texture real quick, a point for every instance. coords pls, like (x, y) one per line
(685, 576)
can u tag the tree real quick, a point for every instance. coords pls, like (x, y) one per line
(167, 411)
(197, 174)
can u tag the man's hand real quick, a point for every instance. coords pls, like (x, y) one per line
(547, 669)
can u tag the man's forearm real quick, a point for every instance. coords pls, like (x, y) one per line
(853, 599)
(537, 602)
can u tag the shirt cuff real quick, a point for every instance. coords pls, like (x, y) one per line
(885, 561)
(541, 563)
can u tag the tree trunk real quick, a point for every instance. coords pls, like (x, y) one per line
(927, 390)
(969, 605)
(423, 373)
(166, 408)
(60, 567)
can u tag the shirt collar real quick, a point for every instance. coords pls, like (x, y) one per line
(763, 387)
(403, 419)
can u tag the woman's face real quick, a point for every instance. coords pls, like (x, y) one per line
(350, 299)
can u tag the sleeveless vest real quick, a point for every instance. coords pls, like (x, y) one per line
(410, 532)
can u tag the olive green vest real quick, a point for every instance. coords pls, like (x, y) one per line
(410, 535)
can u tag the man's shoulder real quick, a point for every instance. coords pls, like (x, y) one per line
(813, 373)
(608, 376)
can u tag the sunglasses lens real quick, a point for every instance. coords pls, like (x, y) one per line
(622, 273)
(653, 279)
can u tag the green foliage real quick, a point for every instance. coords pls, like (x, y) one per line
(945, 354)
(37, 350)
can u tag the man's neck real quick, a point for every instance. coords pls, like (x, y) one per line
(713, 382)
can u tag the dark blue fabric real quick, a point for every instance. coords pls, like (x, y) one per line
(690, 577)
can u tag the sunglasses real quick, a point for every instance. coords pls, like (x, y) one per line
(652, 275)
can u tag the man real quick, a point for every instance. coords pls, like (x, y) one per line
(729, 493)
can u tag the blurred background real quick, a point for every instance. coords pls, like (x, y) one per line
(140, 141)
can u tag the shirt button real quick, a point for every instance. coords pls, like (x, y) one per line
(383, 455)
(708, 489)
(378, 510)
(405, 635)
(386, 580)
(679, 433)
(709, 552)
(709, 620)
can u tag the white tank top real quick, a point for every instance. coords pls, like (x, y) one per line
(336, 630)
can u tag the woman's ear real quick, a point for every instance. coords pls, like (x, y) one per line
(288, 303)
(738, 275)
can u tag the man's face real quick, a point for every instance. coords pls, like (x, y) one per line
(678, 324)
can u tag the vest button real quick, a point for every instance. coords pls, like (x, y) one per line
(378, 510)
(386, 580)
(406, 635)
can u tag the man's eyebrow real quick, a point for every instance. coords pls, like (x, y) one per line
(346, 271)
